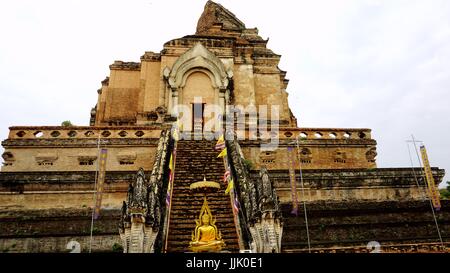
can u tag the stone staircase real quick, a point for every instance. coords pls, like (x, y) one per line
(136, 238)
(196, 158)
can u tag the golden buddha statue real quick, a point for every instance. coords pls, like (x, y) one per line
(206, 237)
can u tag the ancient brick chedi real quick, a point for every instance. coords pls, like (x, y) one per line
(221, 80)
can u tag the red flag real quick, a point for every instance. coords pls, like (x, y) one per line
(236, 204)
(226, 175)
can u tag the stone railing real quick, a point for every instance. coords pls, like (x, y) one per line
(325, 133)
(92, 132)
(82, 132)
(253, 132)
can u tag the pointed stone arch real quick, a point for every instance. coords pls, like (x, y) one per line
(198, 59)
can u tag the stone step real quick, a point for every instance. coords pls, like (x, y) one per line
(184, 241)
(220, 222)
(218, 212)
(196, 160)
(179, 196)
(188, 209)
(187, 234)
(182, 246)
(188, 204)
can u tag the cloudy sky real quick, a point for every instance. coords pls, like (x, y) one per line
(364, 63)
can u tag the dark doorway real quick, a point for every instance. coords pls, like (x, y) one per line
(197, 116)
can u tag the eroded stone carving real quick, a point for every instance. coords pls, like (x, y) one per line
(269, 227)
(305, 156)
(161, 111)
(267, 157)
(371, 154)
(46, 158)
(8, 158)
(339, 156)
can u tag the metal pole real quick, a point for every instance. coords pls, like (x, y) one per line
(423, 193)
(431, 204)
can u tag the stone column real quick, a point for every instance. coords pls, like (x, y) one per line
(227, 97)
(174, 101)
(169, 101)
(167, 98)
(222, 99)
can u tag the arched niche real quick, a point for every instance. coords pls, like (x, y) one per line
(198, 83)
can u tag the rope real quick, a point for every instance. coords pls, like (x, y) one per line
(414, 173)
(95, 191)
(303, 195)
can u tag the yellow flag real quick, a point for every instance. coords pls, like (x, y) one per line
(223, 153)
(175, 135)
(179, 125)
(433, 192)
(176, 130)
(220, 140)
(230, 186)
(171, 162)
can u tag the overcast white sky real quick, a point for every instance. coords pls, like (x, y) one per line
(374, 64)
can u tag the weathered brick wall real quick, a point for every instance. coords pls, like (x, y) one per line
(331, 225)
(47, 190)
(100, 243)
(318, 148)
(343, 224)
(341, 219)
(53, 149)
(123, 92)
(381, 184)
(51, 230)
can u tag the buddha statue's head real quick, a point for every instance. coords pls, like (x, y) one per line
(205, 219)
